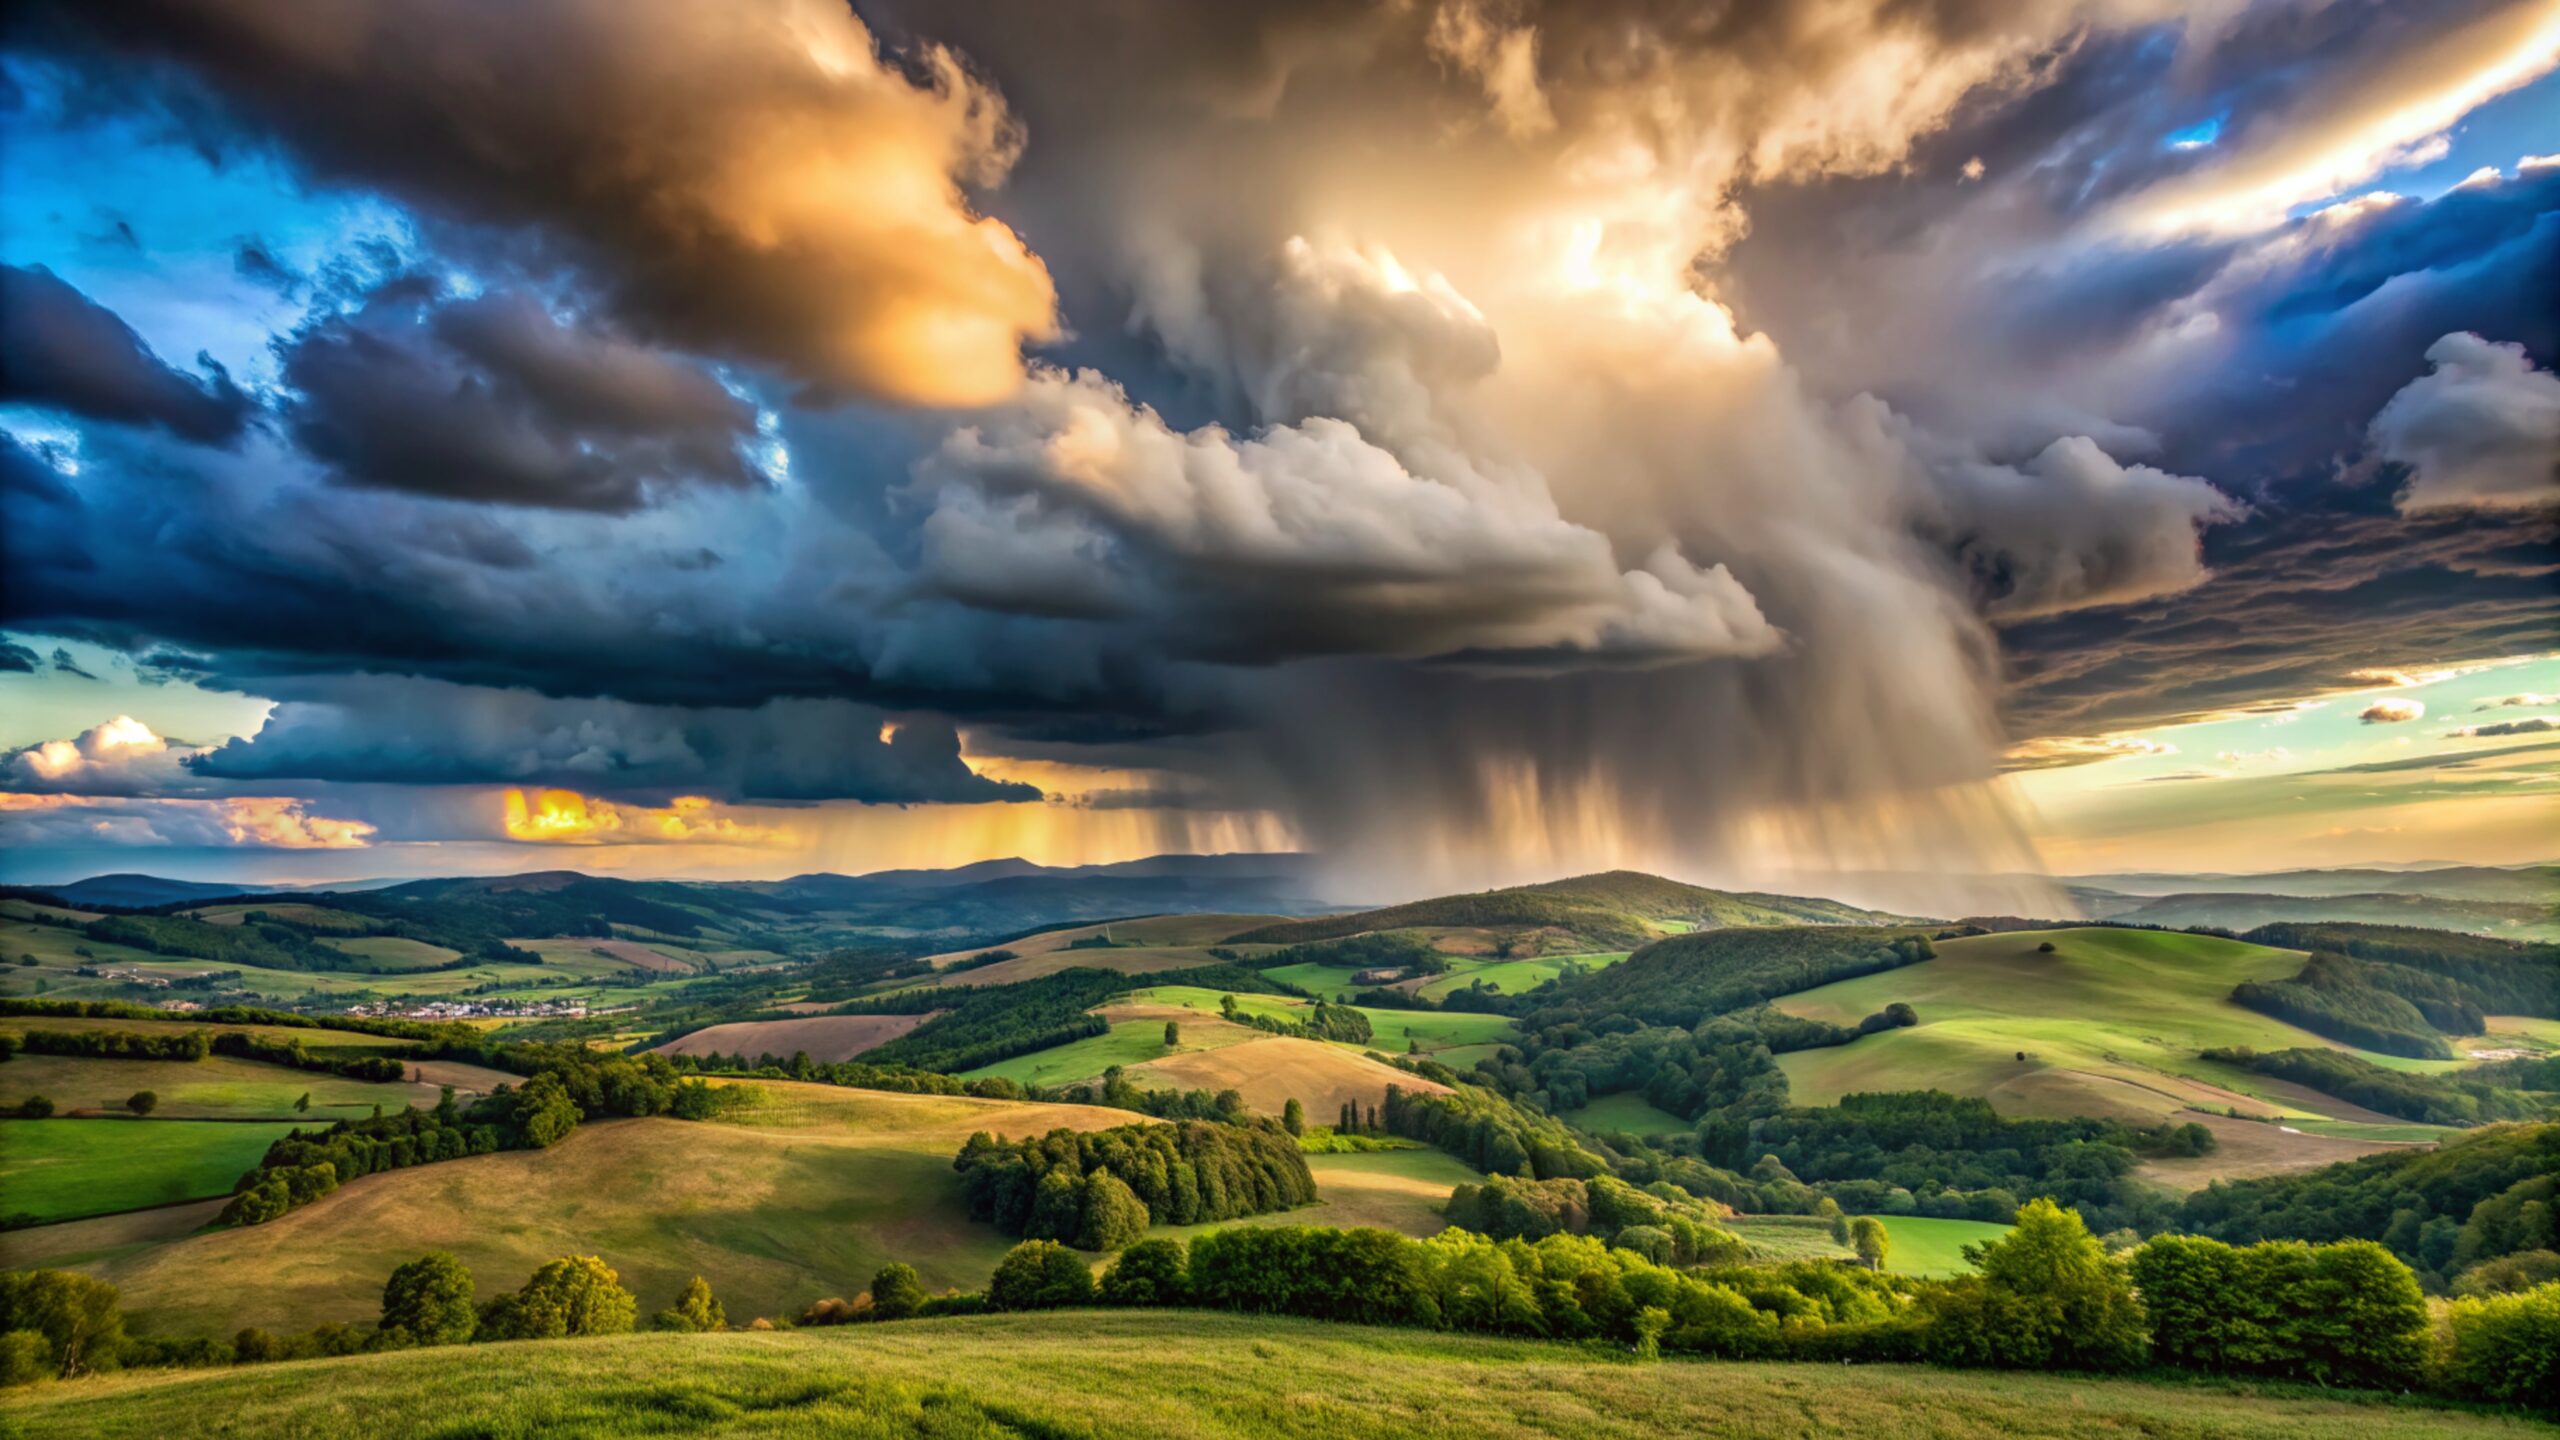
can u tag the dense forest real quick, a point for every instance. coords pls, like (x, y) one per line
(2478, 1197)
(2460, 1098)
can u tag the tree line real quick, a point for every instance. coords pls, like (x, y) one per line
(2045, 1296)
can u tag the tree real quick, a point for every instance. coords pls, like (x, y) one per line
(35, 1107)
(142, 1102)
(82, 1325)
(1867, 1236)
(1172, 1033)
(1039, 1275)
(1293, 1117)
(1650, 1322)
(695, 1310)
(544, 1113)
(1151, 1272)
(303, 1104)
(1114, 1217)
(896, 1293)
(573, 1295)
(2045, 1295)
(429, 1301)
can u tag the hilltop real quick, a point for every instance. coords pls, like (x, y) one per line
(1613, 910)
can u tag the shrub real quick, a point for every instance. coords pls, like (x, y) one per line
(1151, 1272)
(695, 1310)
(2506, 1348)
(1039, 1275)
(2046, 1295)
(35, 1107)
(79, 1319)
(24, 1358)
(428, 1301)
(896, 1293)
(142, 1102)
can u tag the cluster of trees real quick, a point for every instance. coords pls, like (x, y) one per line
(2462, 1099)
(118, 1044)
(2352, 1002)
(1377, 950)
(1099, 1190)
(1661, 1222)
(1485, 1130)
(2497, 977)
(220, 1015)
(2490, 1193)
(567, 1084)
(1687, 979)
(1926, 1152)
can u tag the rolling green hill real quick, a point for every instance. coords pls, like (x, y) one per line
(2109, 1023)
(1170, 1375)
(1616, 910)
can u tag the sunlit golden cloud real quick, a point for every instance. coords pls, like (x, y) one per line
(565, 817)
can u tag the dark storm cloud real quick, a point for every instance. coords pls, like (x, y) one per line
(60, 350)
(744, 180)
(491, 398)
(17, 659)
(257, 264)
(2301, 596)
(418, 732)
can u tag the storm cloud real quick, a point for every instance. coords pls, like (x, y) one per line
(67, 352)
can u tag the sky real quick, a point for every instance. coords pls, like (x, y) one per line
(1471, 441)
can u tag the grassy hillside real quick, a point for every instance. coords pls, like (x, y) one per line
(1170, 1376)
(803, 1195)
(1274, 1070)
(2111, 1023)
(1617, 910)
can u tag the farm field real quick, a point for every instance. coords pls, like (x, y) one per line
(1174, 1375)
(1143, 946)
(1626, 1113)
(313, 1037)
(803, 1195)
(826, 1038)
(392, 952)
(1131, 1042)
(1513, 977)
(306, 916)
(2110, 1024)
(1392, 1030)
(218, 1087)
(1400, 1190)
(65, 1169)
(1920, 1245)
(1275, 1069)
(1787, 1237)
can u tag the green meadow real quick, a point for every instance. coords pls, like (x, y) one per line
(1513, 977)
(64, 1169)
(1130, 1042)
(1625, 1113)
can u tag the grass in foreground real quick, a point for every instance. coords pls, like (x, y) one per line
(1168, 1375)
(64, 1169)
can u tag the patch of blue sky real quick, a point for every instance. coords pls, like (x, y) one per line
(151, 227)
